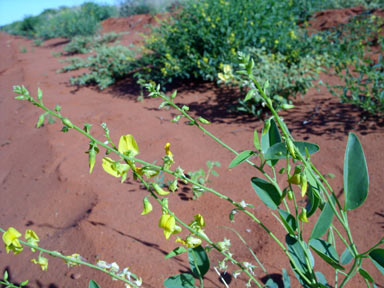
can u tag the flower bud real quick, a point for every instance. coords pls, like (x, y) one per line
(303, 215)
(147, 206)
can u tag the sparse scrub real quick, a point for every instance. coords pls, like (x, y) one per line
(83, 44)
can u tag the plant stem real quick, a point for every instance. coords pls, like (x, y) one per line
(72, 260)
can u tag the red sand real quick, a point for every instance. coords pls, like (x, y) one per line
(45, 185)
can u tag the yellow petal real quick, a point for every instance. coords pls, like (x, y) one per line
(200, 220)
(128, 144)
(167, 223)
(167, 151)
(10, 236)
(109, 166)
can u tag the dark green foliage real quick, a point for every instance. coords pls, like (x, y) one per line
(108, 65)
(85, 44)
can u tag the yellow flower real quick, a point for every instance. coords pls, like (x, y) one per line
(10, 238)
(128, 145)
(42, 261)
(168, 224)
(167, 151)
(199, 220)
(114, 168)
(190, 241)
(147, 206)
(32, 238)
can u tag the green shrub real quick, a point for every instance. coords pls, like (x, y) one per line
(363, 86)
(64, 22)
(84, 44)
(108, 65)
(207, 34)
(133, 7)
(284, 81)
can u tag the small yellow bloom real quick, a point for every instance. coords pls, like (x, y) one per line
(168, 224)
(10, 239)
(199, 220)
(147, 206)
(114, 168)
(32, 238)
(190, 241)
(167, 151)
(128, 145)
(42, 261)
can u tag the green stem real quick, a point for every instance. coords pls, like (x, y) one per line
(130, 159)
(71, 260)
(197, 268)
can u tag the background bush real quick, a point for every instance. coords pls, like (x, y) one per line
(133, 7)
(63, 22)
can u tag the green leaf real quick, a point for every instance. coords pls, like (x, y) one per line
(322, 280)
(286, 281)
(298, 254)
(377, 257)
(93, 284)
(232, 215)
(289, 221)
(241, 158)
(323, 222)
(198, 257)
(313, 201)
(346, 257)
(183, 280)
(266, 192)
(40, 121)
(39, 94)
(176, 251)
(5, 277)
(366, 275)
(327, 252)
(269, 138)
(356, 179)
(279, 150)
(271, 284)
(24, 283)
(249, 95)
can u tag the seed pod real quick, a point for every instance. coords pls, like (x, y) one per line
(291, 147)
(304, 184)
(303, 215)
(67, 123)
(159, 190)
(290, 195)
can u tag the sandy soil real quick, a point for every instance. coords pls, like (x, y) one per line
(45, 185)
